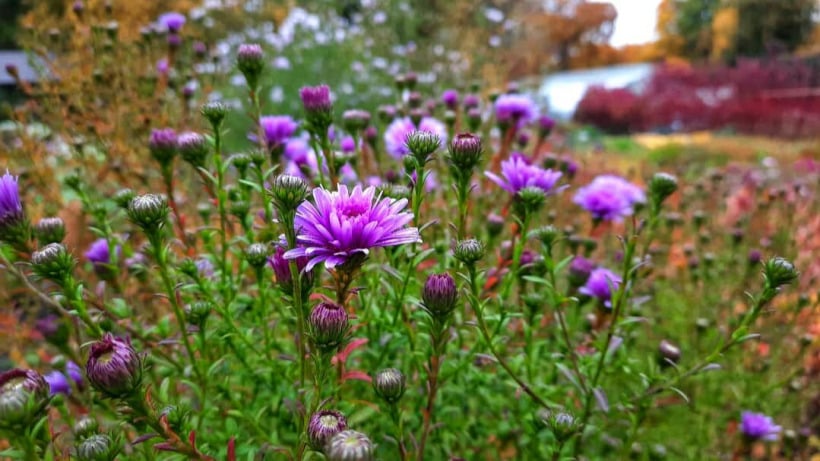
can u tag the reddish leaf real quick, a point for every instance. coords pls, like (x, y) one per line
(232, 449)
(351, 346)
(357, 375)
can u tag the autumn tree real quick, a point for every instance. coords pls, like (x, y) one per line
(764, 25)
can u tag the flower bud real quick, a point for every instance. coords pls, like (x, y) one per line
(98, 447)
(323, 425)
(469, 251)
(416, 115)
(24, 395)
(163, 145)
(318, 108)
(661, 186)
(328, 326)
(579, 270)
(779, 271)
(389, 384)
(49, 230)
(439, 296)
(114, 367)
(288, 192)
(495, 224)
(465, 152)
(257, 254)
(355, 120)
(149, 212)
(545, 125)
(668, 354)
(422, 144)
(53, 262)
(350, 446)
(177, 417)
(548, 235)
(193, 148)
(123, 197)
(386, 113)
(249, 60)
(85, 427)
(528, 201)
(474, 119)
(214, 112)
(197, 312)
(14, 227)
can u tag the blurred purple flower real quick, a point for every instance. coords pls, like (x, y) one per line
(599, 285)
(99, 253)
(757, 426)
(514, 109)
(346, 224)
(347, 175)
(162, 66)
(609, 198)
(11, 208)
(205, 267)
(172, 21)
(396, 134)
(277, 129)
(316, 98)
(450, 99)
(518, 174)
(348, 144)
(57, 383)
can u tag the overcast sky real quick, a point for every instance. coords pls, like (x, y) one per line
(636, 21)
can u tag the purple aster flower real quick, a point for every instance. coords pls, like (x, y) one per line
(347, 175)
(348, 144)
(281, 268)
(74, 372)
(172, 21)
(395, 136)
(471, 101)
(11, 208)
(514, 108)
(277, 129)
(757, 426)
(98, 253)
(345, 225)
(205, 267)
(162, 66)
(316, 98)
(609, 198)
(600, 284)
(450, 99)
(57, 383)
(518, 174)
(579, 270)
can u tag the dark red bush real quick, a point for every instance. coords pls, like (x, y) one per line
(767, 97)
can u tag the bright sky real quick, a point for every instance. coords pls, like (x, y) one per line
(636, 21)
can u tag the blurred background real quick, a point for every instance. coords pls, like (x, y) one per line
(624, 66)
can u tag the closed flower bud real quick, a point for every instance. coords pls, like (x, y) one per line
(163, 145)
(547, 235)
(661, 186)
(197, 312)
(668, 353)
(241, 162)
(389, 384)
(328, 326)
(355, 120)
(528, 201)
(240, 208)
(323, 425)
(24, 395)
(579, 270)
(474, 118)
(98, 447)
(53, 262)
(562, 424)
(114, 367)
(350, 446)
(779, 271)
(439, 296)
(545, 125)
(469, 251)
(249, 60)
(288, 192)
(193, 148)
(123, 197)
(386, 113)
(85, 427)
(754, 257)
(214, 112)
(422, 144)
(257, 254)
(495, 224)
(49, 230)
(177, 417)
(465, 152)
(318, 108)
(149, 212)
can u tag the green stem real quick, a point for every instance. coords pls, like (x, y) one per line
(223, 215)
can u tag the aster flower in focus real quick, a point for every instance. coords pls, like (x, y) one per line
(395, 136)
(172, 21)
(609, 198)
(343, 226)
(518, 174)
(757, 426)
(514, 109)
(600, 284)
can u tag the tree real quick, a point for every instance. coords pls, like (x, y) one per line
(764, 25)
